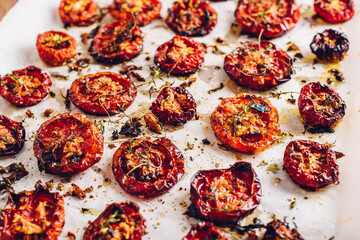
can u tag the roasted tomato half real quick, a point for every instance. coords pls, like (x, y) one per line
(25, 87)
(223, 196)
(144, 11)
(335, 11)
(310, 164)
(180, 56)
(320, 105)
(204, 231)
(12, 136)
(330, 45)
(78, 12)
(103, 93)
(278, 230)
(246, 123)
(148, 167)
(174, 106)
(117, 42)
(191, 18)
(259, 67)
(56, 48)
(37, 214)
(67, 144)
(118, 221)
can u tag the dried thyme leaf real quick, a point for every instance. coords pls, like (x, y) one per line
(221, 86)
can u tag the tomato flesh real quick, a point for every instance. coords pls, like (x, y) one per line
(78, 12)
(277, 230)
(12, 136)
(335, 11)
(204, 230)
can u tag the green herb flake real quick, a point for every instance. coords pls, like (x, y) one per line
(273, 167)
(262, 163)
(189, 146)
(292, 204)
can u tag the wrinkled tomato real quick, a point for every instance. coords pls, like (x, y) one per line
(270, 18)
(320, 105)
(310, 164)
(277, 230)
(259, 67)
(144, 11)
(335, 11)
(246, 123)
(174, 106)
(204, 231)
(25, 87)
(56, 48)
(78, 12)
(12, 136)
(103, 93)
(37, 214)
(191, 18)
(67, 144)
(148, 167)
(223, 196)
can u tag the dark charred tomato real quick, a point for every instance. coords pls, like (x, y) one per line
(191, 18)
(118, 221)
(56, 48)
(78, 12)
(204, 231)
(335, 11)
(223, 196)
(117, 42)
(272, 18)
(12, 136)
(259, 67)
(148, 167)
(67, 144)
(246, 123)
(320, 105)
(103, 93)
(180, 56)
(330, 45)
(37, 214)
(174, 106)
(25, 87)
(144, 11)
(310, 164)
(278, 230)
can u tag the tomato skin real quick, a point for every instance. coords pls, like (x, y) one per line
(270, 66)
(59, 54)
(297, 163)
(54, 214)
(320, 105)
(67, 144)
(78, 17)
(248, 16)
(277, 230)
(17, 132)
(324, 9)
(244, 183)
(203, 231)
(144, 181)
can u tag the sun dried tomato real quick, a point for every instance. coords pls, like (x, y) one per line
(56, 48)
(246, 123)
(272, 18)
(335, 11)
(259, 67)
(25, 87)
(191, 17)
(148, 167)
(12, 136)
(78, 12)
(67, 144)
(204, 231)
(277, 230)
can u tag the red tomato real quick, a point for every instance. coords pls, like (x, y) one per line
(118, 221)
(174, 106)
(78, 12)
(180, 56)
(258, 67)
(310, 164)
(204, 231)
(117, 42)
(25, 87)
(277, 230)
(272, 18)
(335, 11)
(246, 123)
(37, 214)
(144, 11)
(56, 48)
(320, 105)
(67, 144)
(191, 18)
(223, 196)
(148, 167)
(12, 136)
